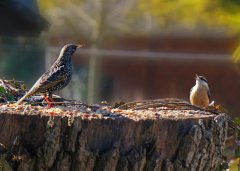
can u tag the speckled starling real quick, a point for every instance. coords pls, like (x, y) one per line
(56, 78)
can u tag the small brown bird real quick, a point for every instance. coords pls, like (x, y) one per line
(200, 93)
(56, 78)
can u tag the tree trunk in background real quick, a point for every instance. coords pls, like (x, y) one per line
(163, 142)
(93, 76)
(97, 37)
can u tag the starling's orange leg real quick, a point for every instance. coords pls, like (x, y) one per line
(51, 99)
(48, 101)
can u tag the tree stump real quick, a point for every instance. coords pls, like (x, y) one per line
(105, 138)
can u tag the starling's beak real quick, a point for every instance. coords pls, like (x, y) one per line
(197, 77)
(80, 46)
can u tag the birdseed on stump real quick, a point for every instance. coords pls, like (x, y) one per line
(89, 138)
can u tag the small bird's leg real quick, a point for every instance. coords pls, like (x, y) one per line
(48, 101)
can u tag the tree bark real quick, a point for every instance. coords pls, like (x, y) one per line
(112, 139)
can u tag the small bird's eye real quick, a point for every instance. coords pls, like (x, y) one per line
(203, 78)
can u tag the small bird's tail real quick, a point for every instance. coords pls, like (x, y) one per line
(212, 103)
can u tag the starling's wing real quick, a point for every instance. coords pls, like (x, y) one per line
(48, 80)
(37, 87)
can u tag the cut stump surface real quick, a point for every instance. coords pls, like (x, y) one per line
(105, 138)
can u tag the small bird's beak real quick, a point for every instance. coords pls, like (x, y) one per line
(197, 77)
(80, 46)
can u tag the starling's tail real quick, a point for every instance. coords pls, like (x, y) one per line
(22, 99)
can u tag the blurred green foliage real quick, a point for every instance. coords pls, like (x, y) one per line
(200, 17)
(234, 165)
(237, 120)
(236, 55)
(216, 15)
(5, 96)
(21, 58)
